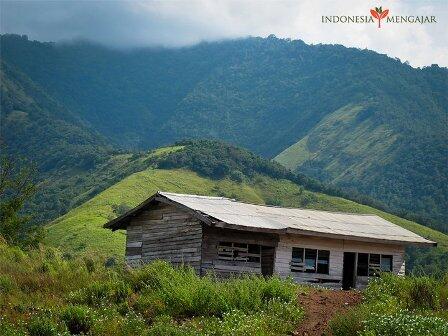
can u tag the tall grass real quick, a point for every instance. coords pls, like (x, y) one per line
(394, 305)
(44, 293)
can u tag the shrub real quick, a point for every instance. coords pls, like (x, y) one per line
(101, 293)
(151, 275)
(90, 264)
(274, 287)
(176, 292)
(444, 293)
(108, 322)
(349, 323)
(78, 319)
(277, 318)
(42, 326)
(6, 283)
(182, 293)
(164, 325)
(149, 305)
(282, 317)
(245, 294)
(404, 323)
(412, 292)
(156, 298)
(9, 329)
(110, 262)
(396, 306)
(423, 293)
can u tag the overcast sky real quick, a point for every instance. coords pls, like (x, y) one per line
(179, 23)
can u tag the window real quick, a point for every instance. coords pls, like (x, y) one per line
(323, 262)
(297, 255)
(310, 260)
(386, 263)
(297, 261)
(363, 264)
(239, 252)
(372, 264)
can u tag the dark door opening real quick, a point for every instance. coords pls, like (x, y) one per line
(348, 272)
(267, 260)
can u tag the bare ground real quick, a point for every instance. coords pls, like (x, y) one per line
(321, 306)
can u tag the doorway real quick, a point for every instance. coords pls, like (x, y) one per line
(267, 260)
(348, 272)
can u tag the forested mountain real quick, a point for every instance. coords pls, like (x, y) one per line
(38, 131)
(37, 126)
(360, 120)
(402, 162)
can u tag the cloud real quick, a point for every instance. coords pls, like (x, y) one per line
(180, 23)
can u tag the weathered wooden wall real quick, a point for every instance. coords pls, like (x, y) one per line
(211, 238)
(337, 248)
(164, 232)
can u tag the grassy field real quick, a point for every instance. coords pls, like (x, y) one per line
(80, 230)
(44, 293)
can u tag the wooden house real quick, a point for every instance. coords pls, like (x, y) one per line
(218, 234)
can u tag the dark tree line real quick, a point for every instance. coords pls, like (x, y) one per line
(17, 186)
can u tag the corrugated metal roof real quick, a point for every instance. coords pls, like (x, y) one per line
(313, 221)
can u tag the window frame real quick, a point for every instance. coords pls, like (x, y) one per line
(238, 252)
(374, 268)
(326, 263)
(365, 269)
(387, 256)
(301, 267)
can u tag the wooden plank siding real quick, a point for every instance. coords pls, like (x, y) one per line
(167, 232)
(164, 232)
(337, 248)
(212, 237)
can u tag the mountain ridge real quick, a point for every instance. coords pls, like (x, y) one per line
(264, 94)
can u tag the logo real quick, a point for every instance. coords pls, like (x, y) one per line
(379, 14)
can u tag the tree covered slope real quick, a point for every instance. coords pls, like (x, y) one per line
(351, 149)
(365, 121)
(37, 126)
(52, 139)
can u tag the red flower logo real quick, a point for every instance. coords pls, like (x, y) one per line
(379, 14)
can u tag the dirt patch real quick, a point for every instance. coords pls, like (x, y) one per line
(320, 306)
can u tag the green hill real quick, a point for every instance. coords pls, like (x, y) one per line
(80, 230)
